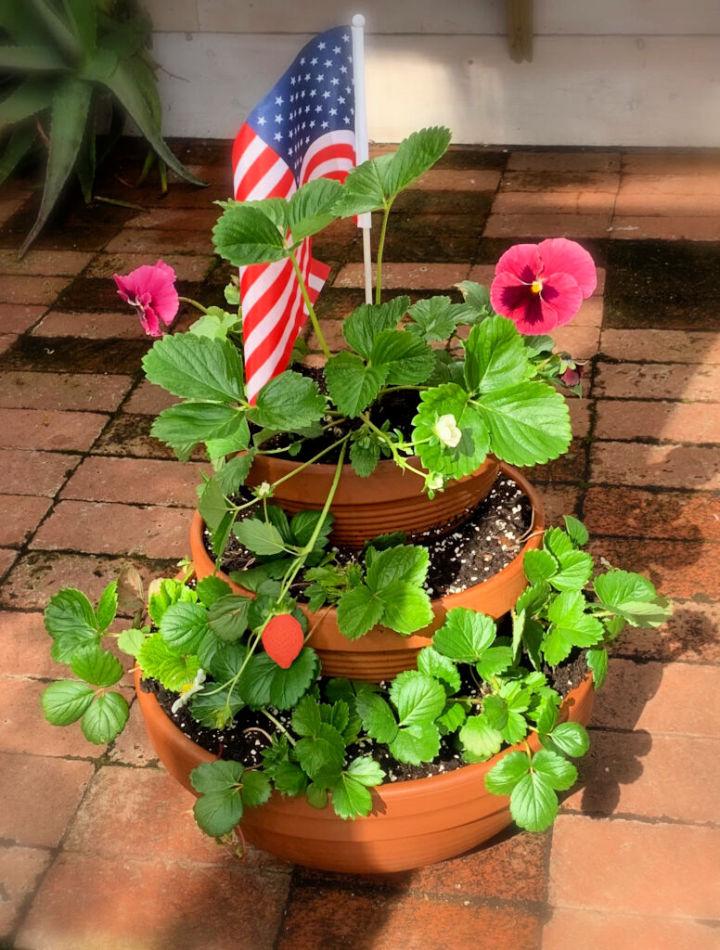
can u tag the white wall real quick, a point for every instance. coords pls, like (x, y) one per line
(604, 72)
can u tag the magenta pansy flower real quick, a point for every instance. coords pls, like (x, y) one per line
(150, 288)
(541, 286)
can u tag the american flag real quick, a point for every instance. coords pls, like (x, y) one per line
(303, 129)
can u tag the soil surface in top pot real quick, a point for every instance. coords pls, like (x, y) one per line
(424, 814)
(477, 564)
(388, 500)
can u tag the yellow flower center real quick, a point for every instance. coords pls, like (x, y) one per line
(536, 286)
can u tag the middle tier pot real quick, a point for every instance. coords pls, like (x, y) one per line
(389, 500)
(382, 653)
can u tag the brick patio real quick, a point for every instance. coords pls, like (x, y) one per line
(98, 848)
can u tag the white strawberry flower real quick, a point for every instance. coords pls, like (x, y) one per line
(447, 430)
(189, 691)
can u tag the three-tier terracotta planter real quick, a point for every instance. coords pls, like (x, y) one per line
(382, 653)
(412, 824)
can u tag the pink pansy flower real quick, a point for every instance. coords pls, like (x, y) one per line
(150, 288)
(541, 286)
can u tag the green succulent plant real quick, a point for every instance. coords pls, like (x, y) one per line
(64, 60)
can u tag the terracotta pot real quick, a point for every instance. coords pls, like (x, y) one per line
(389, 500)
(382, 653)
(412, 824)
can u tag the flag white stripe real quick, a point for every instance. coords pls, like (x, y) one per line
(265, 326)
(262, 284)
(325, 141)
(269, 180)
(332, 165)
(267, 370)
(247, 160)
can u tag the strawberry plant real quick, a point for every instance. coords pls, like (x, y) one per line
(223, 659)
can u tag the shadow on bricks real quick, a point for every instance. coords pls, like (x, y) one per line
(601, 796)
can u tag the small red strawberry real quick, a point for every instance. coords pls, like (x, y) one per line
(283, 639)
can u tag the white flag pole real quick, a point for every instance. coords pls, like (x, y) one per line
(361, 137)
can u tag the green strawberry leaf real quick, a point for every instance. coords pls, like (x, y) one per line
(433, 663)
(246, 234)
(505, 774)
(196, 368)
(632, 597)
(571, 738)
(358, 611)
(260, 537)
(417, 698)
(130, 641)
(183, 626)
(220, 805)
(577, 531)
(184, 425)
(264, 683)
(71, 622)
(405, 359)
(416, 744)
(406, 608)
(528, 423)
(368, 321)
(211, 589)
(495, 356)
(559, 773)
(533, 802)
(597, 661)
(465, 635)
(310, 208)
(289, 402)
(159, 662)
(479, 739)
(228, 617)
(377, 717)
(96, 666)
(105, 718)
(433, 319)
(352, 383)
(539, 566)
(322, 755)
(107, 606)
(215, 708)
(65, 701)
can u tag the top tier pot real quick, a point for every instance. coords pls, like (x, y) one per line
(388, 500)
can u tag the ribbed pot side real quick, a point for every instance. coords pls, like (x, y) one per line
(388, 500)
(413, 823)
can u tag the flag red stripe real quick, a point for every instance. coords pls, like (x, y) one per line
(325, 155)
(272, 305)
(255, 173)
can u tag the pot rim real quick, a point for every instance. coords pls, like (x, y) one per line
(327, 469)
(388, 791)
(448, 601)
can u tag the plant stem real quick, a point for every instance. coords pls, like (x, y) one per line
(296, 471)
(279, 726)
(381, 248)
(310, 309)
(397, 458)
(193, 303)
(302, 556)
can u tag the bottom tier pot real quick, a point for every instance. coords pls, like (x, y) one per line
(413, 823)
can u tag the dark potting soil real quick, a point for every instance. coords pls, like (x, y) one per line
(396, 408)
(462, 555)
(250, 732)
